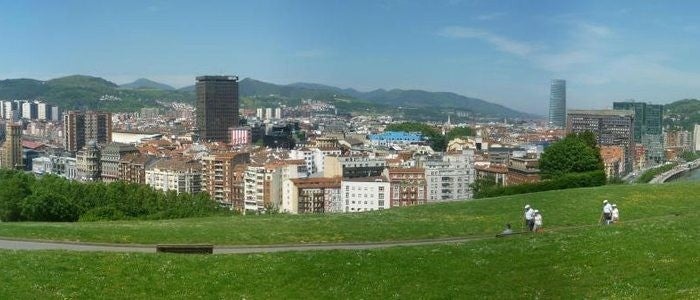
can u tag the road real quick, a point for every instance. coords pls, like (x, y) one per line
(53, 245)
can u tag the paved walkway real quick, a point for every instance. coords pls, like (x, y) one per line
(53, 245)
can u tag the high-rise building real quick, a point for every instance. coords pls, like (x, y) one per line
(696, 137)
(611, 127)
(648, 127)
(278, 113)
(10, 110)
(12, 154)
(82, 127)
(55, 113)
(648, 118)
(44, 111)
(217, 106)
(557, 104)
(30, 110)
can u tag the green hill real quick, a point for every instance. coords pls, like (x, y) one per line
(147, 84)
(652, 253)
(682, 114)
(79, 91)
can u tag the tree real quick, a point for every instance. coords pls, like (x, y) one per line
(13, 190)
(570, 155)
(48, 207)
(483, 185)
(459, 132)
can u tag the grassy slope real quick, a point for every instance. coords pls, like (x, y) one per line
(486, 216)
(656, 258)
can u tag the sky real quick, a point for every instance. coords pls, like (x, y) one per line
(504, 52)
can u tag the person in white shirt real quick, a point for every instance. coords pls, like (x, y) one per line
(529, 217)
(606, 217)
(615, 214)
(538, 221)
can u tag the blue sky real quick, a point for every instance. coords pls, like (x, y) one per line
(501, 51)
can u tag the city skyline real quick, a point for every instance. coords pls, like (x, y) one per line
(504, 52)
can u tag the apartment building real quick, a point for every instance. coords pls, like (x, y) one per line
(408, 186)
(181, 176)
(365, 194)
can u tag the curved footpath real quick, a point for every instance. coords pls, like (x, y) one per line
(17, 244)
(26, 244)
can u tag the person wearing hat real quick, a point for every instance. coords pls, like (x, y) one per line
(529, 217)
(606, 217)
(537, 221)
(615, 214)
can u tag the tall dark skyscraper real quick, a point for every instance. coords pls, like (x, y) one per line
(557, 104)
(217, 106)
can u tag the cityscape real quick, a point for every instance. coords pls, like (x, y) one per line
(366, 191)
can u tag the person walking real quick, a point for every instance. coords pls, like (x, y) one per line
(615, 214)
(606, 217)
(537, 221)
(529, 217)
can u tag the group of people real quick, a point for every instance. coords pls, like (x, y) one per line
(533, 219)
(610, 213)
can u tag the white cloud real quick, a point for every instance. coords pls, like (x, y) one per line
(500, 42)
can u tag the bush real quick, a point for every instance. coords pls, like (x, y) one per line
(48, 207)
(51, 198)
(567, 181)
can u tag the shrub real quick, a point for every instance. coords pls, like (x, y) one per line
(48, 207)
(567, 181)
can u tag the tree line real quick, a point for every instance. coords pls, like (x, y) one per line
(572, 162)
(24, 197)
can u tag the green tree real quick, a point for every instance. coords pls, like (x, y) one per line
(459, 132)
(48, 207)
(13, 189)
(483, 185)
(570, 155)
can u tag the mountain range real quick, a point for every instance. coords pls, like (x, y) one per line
(79, 91)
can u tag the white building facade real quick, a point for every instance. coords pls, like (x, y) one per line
(365, 194)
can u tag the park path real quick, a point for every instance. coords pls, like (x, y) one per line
(16, 244)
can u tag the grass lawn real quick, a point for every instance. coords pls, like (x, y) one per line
(654, 258)
(484, 216)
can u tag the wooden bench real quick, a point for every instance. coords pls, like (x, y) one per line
(185, 249)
